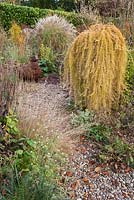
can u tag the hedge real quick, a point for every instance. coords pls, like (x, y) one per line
(29, 16)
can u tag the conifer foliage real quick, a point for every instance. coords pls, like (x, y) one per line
(95, 67)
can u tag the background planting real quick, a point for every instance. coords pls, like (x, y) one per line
(29, 16)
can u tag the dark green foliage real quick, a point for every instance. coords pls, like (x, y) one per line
(67, 5)
(22, 15)
(29, 16)
(51, 4)
(47, 66)
(99, 133)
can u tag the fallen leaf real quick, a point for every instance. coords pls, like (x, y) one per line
(94, 175)
(123, 166)
(75, 185)
(97, 169)
(91, 162)
(85, 180)
(125, 195)
(127, 169)
(82, 138)
(85, 195)
(83, 150)
(62, 181)
(68, 173)
(106, 173)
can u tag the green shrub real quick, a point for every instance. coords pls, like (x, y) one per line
(29, 16)
(31, 186)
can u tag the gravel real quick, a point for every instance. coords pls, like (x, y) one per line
(91, 180)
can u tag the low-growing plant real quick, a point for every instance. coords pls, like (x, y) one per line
(82, 118)
(47, 67)
(70, 105)
(99, 133)
(11, 124)
(118, 151)
(111, 148)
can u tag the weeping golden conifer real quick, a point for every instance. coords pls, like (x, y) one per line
(95, 67)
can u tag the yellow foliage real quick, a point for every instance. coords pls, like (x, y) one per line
(16, 34)
(42, 51)
(95, 67)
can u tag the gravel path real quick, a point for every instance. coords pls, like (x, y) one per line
(87, 179)
(47, 103)
(84, 177)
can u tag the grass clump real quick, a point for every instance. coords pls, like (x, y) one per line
(56, 34)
